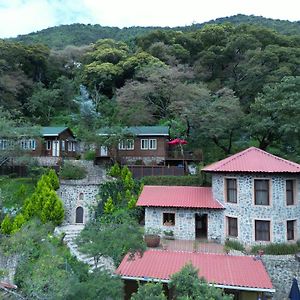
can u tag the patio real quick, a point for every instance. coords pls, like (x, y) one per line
(198, 245)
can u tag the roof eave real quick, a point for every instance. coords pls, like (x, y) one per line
(222, 286)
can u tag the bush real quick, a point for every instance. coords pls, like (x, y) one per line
(277, 249)
(173, 180)
(70, 171)
(90, 155)
(236, 245)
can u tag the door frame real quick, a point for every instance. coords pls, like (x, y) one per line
(55, 148)
(202, 230)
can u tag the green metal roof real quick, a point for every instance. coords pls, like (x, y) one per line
(138, 130)
(52, 131)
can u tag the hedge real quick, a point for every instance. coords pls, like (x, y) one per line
(189, 180)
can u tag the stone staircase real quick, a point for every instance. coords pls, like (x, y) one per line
(71, 232)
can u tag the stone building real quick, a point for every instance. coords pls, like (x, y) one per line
(257, 195)
(80, 196)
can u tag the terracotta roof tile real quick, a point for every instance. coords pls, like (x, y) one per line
(243, 272)
(254, 160)
(178, 196)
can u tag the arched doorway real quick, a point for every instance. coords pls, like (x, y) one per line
(79, 215)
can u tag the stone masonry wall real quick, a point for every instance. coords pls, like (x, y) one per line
(246, 212)
(74, 196)
(184, 227)
(282, 269)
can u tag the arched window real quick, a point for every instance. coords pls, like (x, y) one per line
(81, 196)
(79, 215)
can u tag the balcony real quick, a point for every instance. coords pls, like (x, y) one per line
(177, 155)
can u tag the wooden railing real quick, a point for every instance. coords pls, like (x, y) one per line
(139, 171)
(185, 155)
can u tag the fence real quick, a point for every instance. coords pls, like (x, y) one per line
(141, 171)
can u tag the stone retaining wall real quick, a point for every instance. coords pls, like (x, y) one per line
(282, 269)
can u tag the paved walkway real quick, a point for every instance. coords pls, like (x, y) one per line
(191, 246)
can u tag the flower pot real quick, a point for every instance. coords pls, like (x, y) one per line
(152, 240)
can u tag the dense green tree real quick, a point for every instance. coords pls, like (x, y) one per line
(274, 115)
(103, 237)
(99, 285)
(187, 285)
(149, 291)
(218, 119)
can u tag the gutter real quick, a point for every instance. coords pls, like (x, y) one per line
(248, 289)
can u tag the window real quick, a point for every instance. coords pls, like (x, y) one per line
(169, 219)
(290, 228)
(69, 146)
(152, 144)
(261, 191)
(3, 144)
(289, 188)
(144, 144)
(63, 146)
(28, 144)
(148, 144)
(126, 144)
(231, 190)
(130, 144)
(48, 145)
(262, 230)
(81, 196)
(232, 226)
(73, 146)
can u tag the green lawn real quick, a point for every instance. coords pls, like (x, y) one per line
(14, 191)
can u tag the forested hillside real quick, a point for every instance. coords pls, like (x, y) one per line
(79, 34)
(223, 87)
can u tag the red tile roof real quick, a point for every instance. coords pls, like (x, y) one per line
(239, 272)
(254, 160)
(178, 196)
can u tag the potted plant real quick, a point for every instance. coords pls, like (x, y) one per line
(169, 234)
(152, 237)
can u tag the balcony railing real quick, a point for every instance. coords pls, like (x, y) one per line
(185, 155)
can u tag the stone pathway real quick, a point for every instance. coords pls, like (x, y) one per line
(71, 232)
(95, 173)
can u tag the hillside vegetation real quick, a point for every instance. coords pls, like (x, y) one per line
(81, 34)
(223, 87)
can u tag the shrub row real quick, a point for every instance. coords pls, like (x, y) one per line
(173, 180)
(277, 248)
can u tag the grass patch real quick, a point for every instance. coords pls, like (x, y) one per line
(70, 171)
(14, 191)
(236, 245)
(277, 248)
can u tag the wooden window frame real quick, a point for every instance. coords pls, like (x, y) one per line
(150, 144)
(143, 147)
(48, 145)
(229, 233)
(227, 190)
(262, 190)
(291, 191)
(256, 233)
(288, 237)
(168, 218)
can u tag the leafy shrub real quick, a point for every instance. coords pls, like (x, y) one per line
(277, 248)
(6, 225)
(90, 155)
(71, 171)
(173, 180)
(236, 245)
(53, 179)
